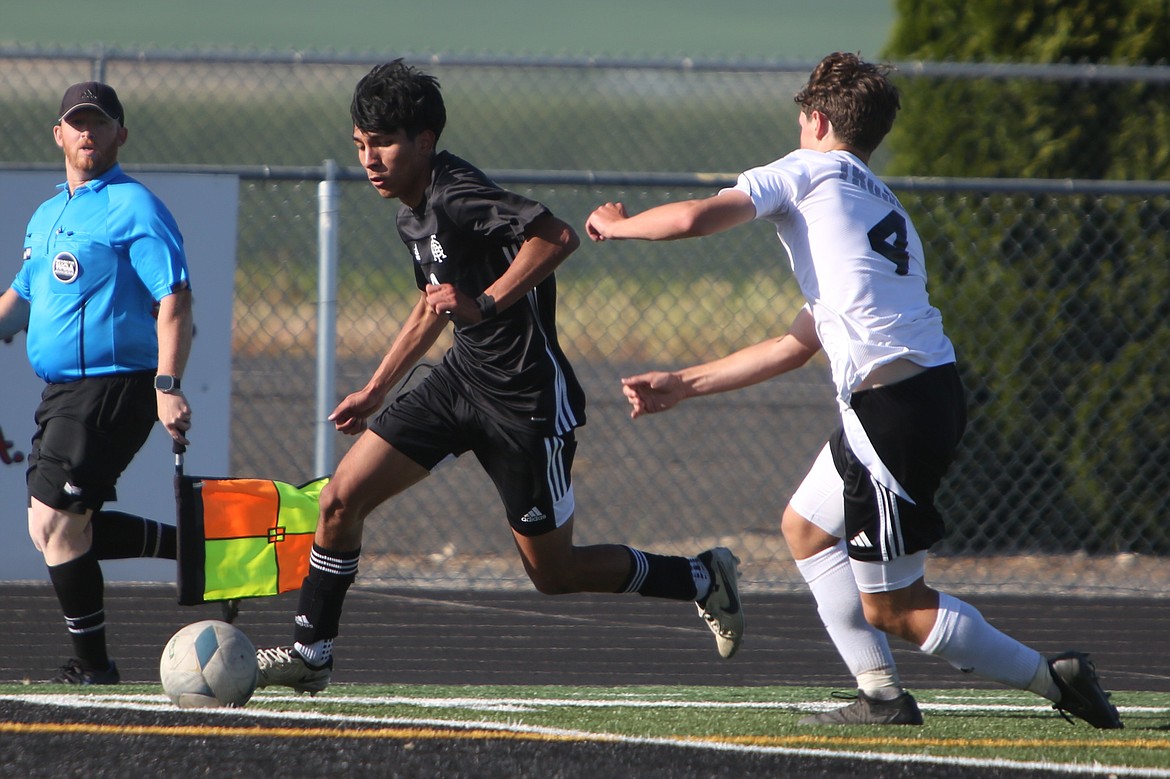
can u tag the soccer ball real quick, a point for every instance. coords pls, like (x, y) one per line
(209, 663)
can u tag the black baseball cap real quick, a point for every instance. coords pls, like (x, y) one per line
(92, 94)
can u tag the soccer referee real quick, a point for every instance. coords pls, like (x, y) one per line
(103, 292)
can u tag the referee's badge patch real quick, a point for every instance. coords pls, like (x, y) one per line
(27, 253)
(66, 268)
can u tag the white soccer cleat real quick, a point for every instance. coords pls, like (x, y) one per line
(283, 666)
(721, 609)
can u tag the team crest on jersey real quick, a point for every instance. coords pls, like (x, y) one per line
(437, 253)
(66, 268)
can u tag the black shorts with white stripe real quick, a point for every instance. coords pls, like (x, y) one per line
(915, 427)
(531, 470)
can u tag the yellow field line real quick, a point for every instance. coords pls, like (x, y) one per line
(41, 728)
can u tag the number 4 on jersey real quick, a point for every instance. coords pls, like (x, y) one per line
(888, 238)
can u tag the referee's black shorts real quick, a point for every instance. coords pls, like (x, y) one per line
(87, 433)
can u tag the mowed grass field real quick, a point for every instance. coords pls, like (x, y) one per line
(1000, 730)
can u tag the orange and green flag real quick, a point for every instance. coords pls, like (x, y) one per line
(243, 538)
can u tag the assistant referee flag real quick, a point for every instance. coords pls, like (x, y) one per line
(243, 538)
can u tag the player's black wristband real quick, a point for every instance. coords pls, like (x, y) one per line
(487, 306)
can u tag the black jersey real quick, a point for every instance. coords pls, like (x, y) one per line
(466, 232)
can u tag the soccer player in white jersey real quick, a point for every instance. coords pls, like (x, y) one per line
(860, 524)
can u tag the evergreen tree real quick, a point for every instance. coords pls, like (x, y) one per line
(1025, 127)
(1058, 304)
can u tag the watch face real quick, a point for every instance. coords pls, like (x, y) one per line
(164, 383)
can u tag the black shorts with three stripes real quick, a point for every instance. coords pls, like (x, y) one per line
(915, 427)
(531, 469)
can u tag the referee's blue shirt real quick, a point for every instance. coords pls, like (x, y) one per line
(95, 265)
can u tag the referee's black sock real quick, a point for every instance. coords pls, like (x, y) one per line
(660, 576)
(119, 536)
(79, 586)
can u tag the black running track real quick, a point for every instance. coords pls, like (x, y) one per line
(501, 637)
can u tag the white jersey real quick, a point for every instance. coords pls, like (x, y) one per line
(857, 258)
(859, 263)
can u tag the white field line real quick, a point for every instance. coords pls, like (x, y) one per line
(534, 704)
(156, 702)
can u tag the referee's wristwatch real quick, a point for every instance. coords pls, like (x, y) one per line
(166, 384)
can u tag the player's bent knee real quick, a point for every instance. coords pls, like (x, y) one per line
(336, 509)
(48, 527)
(40, 539)
(558, 583)
(553, 587)
(881, 617)
(804, 538)
(902, 612)
(59, 537)
(794, 527)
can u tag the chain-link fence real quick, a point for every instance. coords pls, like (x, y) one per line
(1054, 292)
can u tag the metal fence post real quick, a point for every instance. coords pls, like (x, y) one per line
(98, 66)
(327, 250)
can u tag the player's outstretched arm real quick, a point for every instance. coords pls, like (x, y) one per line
(650, 393)
(418, 334)
(670, 221)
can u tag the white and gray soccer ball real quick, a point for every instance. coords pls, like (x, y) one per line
(209, 663)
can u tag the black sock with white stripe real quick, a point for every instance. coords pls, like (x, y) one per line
(79, 586)
(663, 576)
(119, 536)
(322, 595)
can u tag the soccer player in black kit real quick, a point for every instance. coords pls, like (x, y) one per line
(483, 260)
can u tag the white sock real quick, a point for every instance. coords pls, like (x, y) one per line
(963, 638)
(864, 648)
(317, 653)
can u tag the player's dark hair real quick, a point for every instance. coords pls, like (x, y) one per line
(396, 96)
(855, 95)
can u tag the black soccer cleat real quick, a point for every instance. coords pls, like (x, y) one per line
(902, 710)
(73, 672)
(1080, 691)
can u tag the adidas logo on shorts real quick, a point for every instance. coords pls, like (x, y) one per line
(534, 515)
